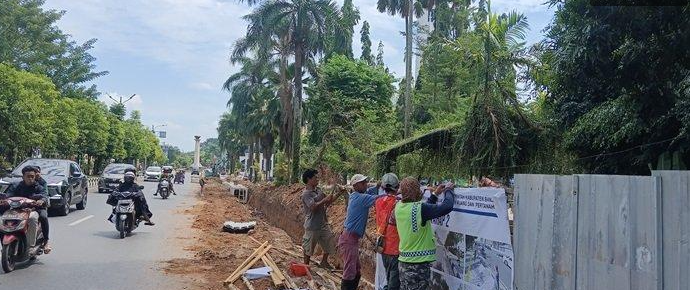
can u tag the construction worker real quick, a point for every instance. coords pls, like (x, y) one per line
(388, 239)
(358, 206)
(417, 246)
(316, 228)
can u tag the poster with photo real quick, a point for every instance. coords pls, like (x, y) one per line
(473, 249)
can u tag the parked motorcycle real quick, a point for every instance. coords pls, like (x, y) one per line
(164, 188)
(14, 230)
(124, 213)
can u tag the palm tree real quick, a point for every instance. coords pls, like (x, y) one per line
(303, 23)
(273, 47)
(244, 87)
(230, 138)
(405, 8)
(492, 124)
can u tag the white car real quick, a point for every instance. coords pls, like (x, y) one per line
(152, 173)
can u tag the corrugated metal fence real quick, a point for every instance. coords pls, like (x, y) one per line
(603, 232)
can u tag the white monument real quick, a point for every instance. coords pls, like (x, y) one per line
(197, 153)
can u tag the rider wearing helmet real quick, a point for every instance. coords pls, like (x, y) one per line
(140, 203)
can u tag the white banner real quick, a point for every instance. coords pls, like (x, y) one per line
(473, 248)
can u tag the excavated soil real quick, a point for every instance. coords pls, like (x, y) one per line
(282, 207)
(217, 254)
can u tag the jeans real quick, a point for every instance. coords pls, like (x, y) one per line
(43, 219)
(390, 263)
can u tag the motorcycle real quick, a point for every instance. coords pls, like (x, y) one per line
(164, 188)
(124, 213)
(14, 229)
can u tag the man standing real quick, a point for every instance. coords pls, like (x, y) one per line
(316, 229)
(358, 206)
(417, 245)
(29, 188)
(388, 239)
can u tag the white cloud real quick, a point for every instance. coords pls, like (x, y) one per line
(204, 86)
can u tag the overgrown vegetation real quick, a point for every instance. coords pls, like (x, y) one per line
(607, 91)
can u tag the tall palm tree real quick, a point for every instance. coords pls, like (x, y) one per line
(273, 47)
(304, 25)
(244, 87)
(405, 8)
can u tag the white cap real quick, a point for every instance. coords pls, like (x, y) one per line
(357, 178)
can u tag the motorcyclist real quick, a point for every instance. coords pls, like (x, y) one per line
(167, 175)
(29, 188)
(142, 207)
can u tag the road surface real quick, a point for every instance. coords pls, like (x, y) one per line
(89, 255)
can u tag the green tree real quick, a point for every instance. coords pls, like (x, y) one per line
(32, 41)
(366, 44)
(379, 55)
(25, 112)
(304, 22)
(349, 99)
(628, 64)
(407, 9)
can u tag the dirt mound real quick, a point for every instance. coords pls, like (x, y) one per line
(283, 208)
(216, 254)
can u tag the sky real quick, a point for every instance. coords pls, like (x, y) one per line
(174, 54)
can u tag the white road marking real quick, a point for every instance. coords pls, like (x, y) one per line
(80, 220)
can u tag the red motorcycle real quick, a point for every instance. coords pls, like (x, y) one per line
(14, 231)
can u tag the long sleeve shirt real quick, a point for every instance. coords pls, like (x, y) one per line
(358, 211)
(20, 189)
(432, 210)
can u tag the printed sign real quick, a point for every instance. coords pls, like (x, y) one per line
(473, 248)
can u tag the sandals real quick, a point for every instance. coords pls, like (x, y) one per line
(47, 249)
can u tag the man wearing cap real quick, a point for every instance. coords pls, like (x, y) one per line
(388, 239)
(358, 206)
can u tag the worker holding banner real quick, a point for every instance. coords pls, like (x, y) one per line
(417, 245)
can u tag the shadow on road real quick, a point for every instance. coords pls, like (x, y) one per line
(116, 235)
(21, 266)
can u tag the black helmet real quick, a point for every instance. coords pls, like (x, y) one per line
(129, 177)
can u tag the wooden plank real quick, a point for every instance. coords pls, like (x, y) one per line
(240, 271)
(246, 282)
(274, 276)
(247, 260)
(232, 287)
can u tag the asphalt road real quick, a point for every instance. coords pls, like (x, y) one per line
(89, 255)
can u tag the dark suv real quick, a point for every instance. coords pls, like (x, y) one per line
(67, 185)
(112, 176)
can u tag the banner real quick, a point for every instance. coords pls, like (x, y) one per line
(473, 247)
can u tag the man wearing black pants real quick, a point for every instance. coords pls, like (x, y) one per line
(29, 187)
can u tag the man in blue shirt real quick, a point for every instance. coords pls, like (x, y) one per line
(358, 205)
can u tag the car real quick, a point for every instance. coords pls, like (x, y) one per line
(112, 176)
(67, 185)
(152, 173)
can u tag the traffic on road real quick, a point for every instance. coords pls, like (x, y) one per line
(113, 243)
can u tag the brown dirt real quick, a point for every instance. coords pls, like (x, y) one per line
(216, 254)
(283, 208)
